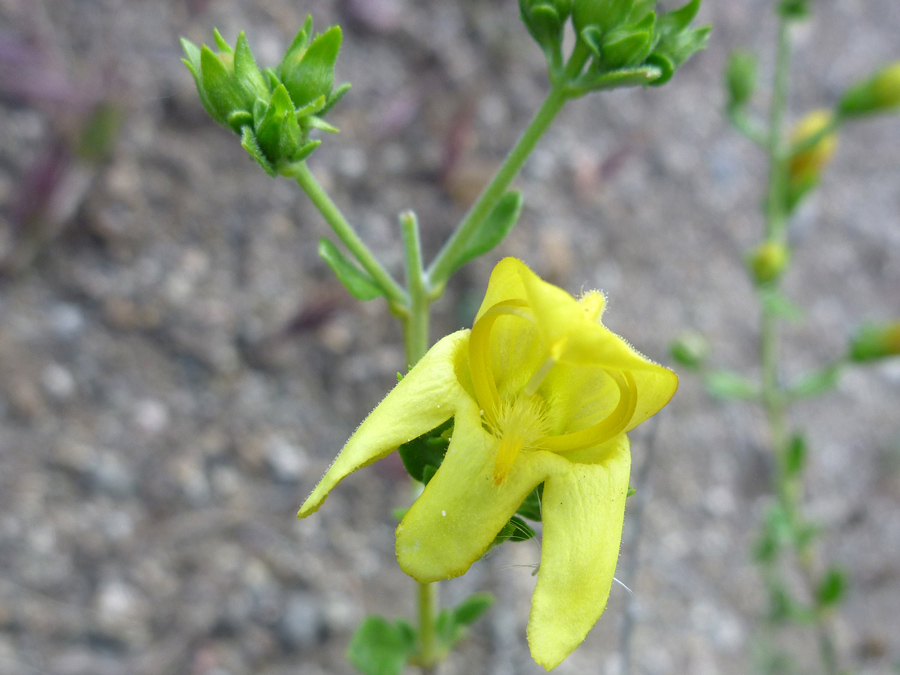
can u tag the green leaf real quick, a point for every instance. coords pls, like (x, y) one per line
(832, 588)
(426, 451)
(740, 78)
(379, 647)
(451, 624)
(727, 384)
(470, 610)
(795, 456)
(334, 97)
(358, 282)
(494, 229)
(816, 383)
(778, 304)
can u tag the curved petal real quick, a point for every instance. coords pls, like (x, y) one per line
(455, 519)
(655, 388)
(583, 512)
(424, 399)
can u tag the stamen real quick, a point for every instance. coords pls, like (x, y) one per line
(520, 423)
(480, 365)
(538, 377)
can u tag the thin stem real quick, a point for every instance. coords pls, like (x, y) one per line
(776, 215)
(775, 401)
(442, 266)
(345, 232)
(415, 323)
(428, 603)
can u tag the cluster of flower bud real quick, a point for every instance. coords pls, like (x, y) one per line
(622, 36)
(272, 110)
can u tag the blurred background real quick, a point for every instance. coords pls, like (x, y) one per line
(178, 367)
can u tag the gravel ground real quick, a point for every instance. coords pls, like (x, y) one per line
(178, 367)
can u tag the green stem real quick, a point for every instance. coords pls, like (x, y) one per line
(415, 323)
(776, 212)
(345, 232)
(775, 401)
(428, 603)
(443, 265)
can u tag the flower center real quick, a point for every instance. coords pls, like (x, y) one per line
(520, 423)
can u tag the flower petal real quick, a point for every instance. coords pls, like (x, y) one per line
(455, 519)
(583, 512)
(424, 399)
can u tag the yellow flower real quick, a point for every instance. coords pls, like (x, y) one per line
(540, 392)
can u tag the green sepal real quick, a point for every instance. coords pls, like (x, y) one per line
(516, 530)
(221, 42)
(427, 450)
(726, 384)
(592, 36)
(816, 383)
(312, 74)
(614, 79)
(246, 72)
(379, 647)
(221, 90)
(625, 47)
(357, 281)
(278, 133)
(677, 43)
(545, 21)
(831, 588)
(605, 14)
(679, 19)
(334, 97)
(240, 119)
(531, 506)
(640, 10)
(493, 230)
(249, 143)
(631, 490)
(316, 122)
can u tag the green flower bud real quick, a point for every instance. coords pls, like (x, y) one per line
(229, 82)
(879, 93)
(875, 341)
(545, 20)
(690, 349)
(768, 261)
(740, 78)
(604, 14)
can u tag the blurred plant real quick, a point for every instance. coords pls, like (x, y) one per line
(787, 544)
(277, 112)
(85, 116)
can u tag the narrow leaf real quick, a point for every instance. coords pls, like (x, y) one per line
(470, 610)
(494, 229)
(358, 282)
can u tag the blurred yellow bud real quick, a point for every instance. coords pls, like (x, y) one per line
(879, 93)
(768, 261)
